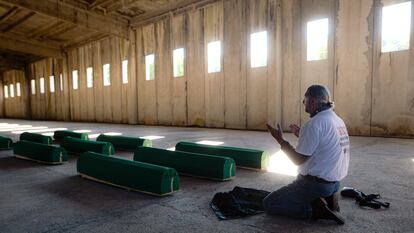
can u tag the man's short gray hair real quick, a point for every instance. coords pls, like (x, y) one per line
(322, 96)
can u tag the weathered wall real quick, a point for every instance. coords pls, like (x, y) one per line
(373, 91)
(17, 106)
(114, 103)
(353, 81)
(49, 106)
(392, 84)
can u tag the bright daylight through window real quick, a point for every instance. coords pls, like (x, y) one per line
(42, 85)
(75, 79)
(89, 77)
(178, 62)
(258, 49)
(317, 40)
(214, 56)
(125, 71)
(149, 67)
(396, 23)
(106, 75)
(52, 83)
(33, 86)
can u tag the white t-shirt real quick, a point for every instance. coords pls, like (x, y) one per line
(325, 140)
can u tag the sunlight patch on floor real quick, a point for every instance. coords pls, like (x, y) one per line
(152, 137)
(13, 128)
(48, 134)
(211, 143)
(95, 135)
(82, 131)
(19, 131)
(38, 130)
(113, 133)
(281, 164)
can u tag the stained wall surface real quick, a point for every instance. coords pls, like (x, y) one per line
(373, 91)
(15, 105)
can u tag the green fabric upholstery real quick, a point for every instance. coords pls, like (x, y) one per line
(35, 137)
(60, 134)
(40, 152)
(124, 143)
(5, 142)
(137, 176)
(247, 158)
(76, 145)
(205, 166)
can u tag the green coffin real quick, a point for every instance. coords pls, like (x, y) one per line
(35, 137)
(132, 175)
(76, 145)
(5, 143)
(124, 143)
(60, 134)
(199, 165)
(40, 152)
(246, 158)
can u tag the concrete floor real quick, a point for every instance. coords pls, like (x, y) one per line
(42, 198)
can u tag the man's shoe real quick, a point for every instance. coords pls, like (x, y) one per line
(320, 210)
(332, 201)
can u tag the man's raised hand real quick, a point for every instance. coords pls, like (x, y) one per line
(276, 133)
(295, 129)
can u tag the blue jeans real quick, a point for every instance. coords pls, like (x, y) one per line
(294, 200)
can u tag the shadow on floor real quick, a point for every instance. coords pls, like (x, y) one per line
(94, 194)
(12, 163)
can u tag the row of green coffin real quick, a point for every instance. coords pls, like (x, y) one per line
(125, 143)
(40, 152)
(59, 135)
(153, 170)
(104, 144)
(198, 165)
(5, 143)
(245, 158)
(76, 145)
(35, 146)
(35, 137)
(213, 167)
(119, 142)
(132, 175)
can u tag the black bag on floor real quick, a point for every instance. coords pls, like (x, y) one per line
(362, 199)
(238, 203)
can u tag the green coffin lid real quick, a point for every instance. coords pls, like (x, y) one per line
(247, 158)
(5, 142)
(124, 143)
(60, 134)
(76, 145)
(40, 152)
(199, 165)
(137, 176)
(35, 137)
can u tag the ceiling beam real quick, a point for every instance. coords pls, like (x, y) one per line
(20, 21)
(23, 45)
(98, 3)
(61, 31)
(86, 41)
(68, 13)
(9, 14)
(178, 7)
(41, 30)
